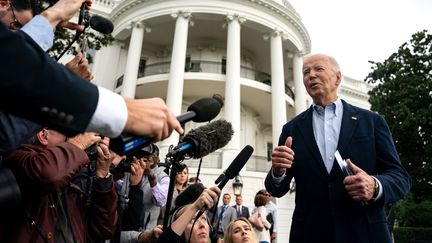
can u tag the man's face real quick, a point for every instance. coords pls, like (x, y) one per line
(9, 15)
(239, 200)
(151, 160)
(320, 79)
(226, 199)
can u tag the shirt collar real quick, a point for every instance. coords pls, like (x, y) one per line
(335, 107)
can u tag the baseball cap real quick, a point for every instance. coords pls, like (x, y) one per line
(148, 150)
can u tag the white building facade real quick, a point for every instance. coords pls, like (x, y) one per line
(248, 51)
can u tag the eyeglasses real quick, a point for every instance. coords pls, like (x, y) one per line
(15, 24)
(202, 218)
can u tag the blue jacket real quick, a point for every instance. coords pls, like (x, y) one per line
(323, 207)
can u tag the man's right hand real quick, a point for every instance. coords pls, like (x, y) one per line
(282, 158)
(137, 170)
(61, 12)
(151, 118)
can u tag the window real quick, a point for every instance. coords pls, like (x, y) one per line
(223, 70)
(269, 151)
(142, 67)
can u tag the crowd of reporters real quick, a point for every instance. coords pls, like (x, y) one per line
(69, 187)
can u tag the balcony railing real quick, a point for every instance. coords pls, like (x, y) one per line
(105, 3)
(210, 67)
(214, 161)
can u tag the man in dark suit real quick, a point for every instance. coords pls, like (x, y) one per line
(242, 211)
(33, 86)
(331, 207)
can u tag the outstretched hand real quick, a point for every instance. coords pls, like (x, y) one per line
(360, 186)
(152, 118)
(61, 12)
(282, 158)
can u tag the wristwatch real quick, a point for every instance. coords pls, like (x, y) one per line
(105, 177)
(376, 189)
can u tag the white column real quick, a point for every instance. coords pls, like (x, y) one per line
(105, 65)
(299, 89)
(277, 86)
(232, 87)
(133, 60)
(176, 78)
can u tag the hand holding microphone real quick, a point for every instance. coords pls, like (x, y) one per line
(208, 198)
(203, 110)
(232, 171)
(62, 11)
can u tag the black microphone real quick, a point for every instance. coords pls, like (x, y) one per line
(235, 167)
(219, 99)
(203, 140)
(101, 24)
(231, 172)
(202, 110)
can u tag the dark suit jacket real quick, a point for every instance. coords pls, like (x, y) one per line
(324, 211)
(244, 211)
(14, 131)
(34, 86)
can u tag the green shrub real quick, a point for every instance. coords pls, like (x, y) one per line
(405, 234)
(414, 214)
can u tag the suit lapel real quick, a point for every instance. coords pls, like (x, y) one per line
(306, 129)
(350, 120)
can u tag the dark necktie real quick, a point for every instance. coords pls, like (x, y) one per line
(238, 211)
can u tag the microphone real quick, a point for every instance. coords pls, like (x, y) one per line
(235, 167)
(202, 110)
(231, 172)
(101, 24)
(203, 140)
(219, 99)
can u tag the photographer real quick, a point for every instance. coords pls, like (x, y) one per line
(154, 184)
(57, 206)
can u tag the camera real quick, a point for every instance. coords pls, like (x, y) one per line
(92, 152)
(125, 164)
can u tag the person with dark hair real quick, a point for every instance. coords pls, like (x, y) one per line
(271, 214)
(185, 226)
(15, 130)
(242, 211)
(336, 203)
(37, 90)
(154, 184)
(225, 214)
(58, 204)
(260, 202)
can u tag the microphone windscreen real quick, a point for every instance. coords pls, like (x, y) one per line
(101, 24)
(239, 162)
(219, 99)
(209, 137)
(205, 108)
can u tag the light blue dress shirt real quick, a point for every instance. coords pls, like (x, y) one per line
(41, 31)
(326, 122)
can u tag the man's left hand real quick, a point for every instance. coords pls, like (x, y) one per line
(360, 186)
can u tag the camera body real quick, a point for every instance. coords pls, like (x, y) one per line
(92, 152)
(125, 164)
